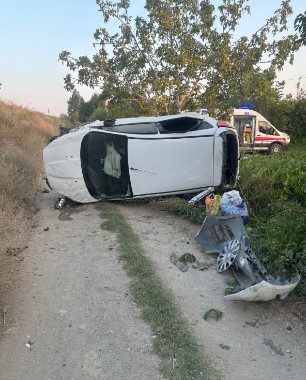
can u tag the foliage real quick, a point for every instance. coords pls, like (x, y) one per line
(287, 115)
(100, 113)
(181, 54)
(300, 26)
(97, 108)
(74, 103)
(275, 188)
(284, 176)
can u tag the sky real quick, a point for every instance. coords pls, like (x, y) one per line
(34, 32)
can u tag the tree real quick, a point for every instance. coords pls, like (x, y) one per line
(87, 111)
(74, 104)
(182, 53)
(300, 26)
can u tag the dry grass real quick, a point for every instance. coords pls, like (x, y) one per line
(23, 135)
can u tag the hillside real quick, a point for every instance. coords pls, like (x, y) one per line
(23, 134)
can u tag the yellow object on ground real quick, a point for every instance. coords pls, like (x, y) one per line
(212, 202)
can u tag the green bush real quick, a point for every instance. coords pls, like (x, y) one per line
(270, 177)
(274, 189)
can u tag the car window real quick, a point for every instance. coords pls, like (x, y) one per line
(139, 128)
(182, 125)
(266, 128)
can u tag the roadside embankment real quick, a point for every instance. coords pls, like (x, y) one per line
(23, 134)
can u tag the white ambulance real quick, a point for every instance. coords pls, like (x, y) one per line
(256, 133)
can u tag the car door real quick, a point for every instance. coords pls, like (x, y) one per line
(245, 127)
(266, 134)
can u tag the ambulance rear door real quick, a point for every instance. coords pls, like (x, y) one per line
(245, 126)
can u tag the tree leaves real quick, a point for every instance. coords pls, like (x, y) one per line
(181, 53)
(300, 26)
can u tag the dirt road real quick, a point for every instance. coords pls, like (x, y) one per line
(74, 303)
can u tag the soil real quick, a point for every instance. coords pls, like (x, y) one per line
(68, 313)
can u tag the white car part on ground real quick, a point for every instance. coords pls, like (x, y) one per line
(226, 236)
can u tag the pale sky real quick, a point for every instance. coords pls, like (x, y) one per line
(34, 32)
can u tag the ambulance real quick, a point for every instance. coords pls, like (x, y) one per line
(256, 133)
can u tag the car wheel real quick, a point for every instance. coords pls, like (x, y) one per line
(275, 148)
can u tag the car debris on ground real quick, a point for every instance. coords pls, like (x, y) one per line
(226, 236)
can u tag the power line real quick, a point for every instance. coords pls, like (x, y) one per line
(292, 79)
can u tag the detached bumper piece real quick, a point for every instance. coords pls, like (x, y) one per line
(226, 236)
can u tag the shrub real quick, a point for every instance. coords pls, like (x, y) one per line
(274, 188)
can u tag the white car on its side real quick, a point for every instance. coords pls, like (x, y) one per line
(143, 157)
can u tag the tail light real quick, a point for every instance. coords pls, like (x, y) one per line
(225, 124)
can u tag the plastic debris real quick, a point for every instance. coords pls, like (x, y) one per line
(60, 203)
(29, 343)
(232, 204)
(226, 236)
(212, 203)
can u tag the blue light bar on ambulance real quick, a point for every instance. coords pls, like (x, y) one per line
(245, 107)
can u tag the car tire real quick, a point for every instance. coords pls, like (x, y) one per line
(275, 148)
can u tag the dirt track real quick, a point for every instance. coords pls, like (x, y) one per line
(73, 301)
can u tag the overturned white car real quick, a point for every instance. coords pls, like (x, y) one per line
(143, 157)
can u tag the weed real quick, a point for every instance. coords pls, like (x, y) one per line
(274, 188)
(232, 284)
(213, 313)
(187, 258)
